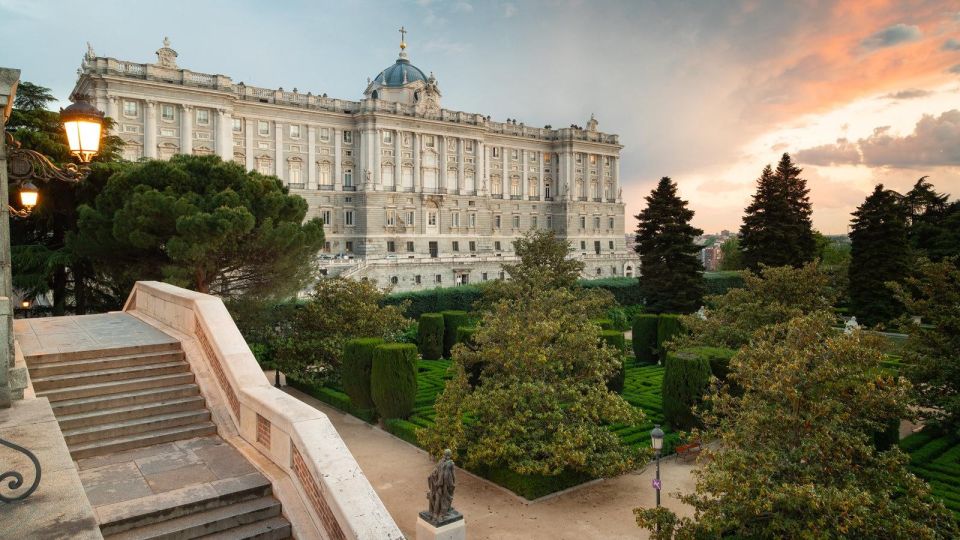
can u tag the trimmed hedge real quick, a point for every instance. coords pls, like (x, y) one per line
(685, 379)
(355, 374)
(718, 358)
(465, 334)
(668, 325)
(645, 338)
(393, 379)
(614, 338)
(430, 332)
(604, 324)
(452, 319)
(721, 282)
(531, 486)
(333, 397)
(402, 429)
(626, 291)
(437, 300)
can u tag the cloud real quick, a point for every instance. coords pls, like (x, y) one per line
(509, 10)
(892, 35)
(935, 142)
(955, 69)
(909, 93)
(951, 45)
(463, 6)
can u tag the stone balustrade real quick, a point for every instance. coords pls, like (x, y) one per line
(296, 437)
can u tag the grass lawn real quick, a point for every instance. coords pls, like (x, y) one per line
(936, 458)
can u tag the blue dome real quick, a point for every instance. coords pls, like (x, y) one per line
(399, 74)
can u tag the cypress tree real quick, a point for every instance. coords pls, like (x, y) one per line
(672, 280)
(777, 229)
(879, 254)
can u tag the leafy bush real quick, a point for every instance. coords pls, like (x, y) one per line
(717, 357)
(393, 379)
(604, 324)
(721, 282)
(431, 330)
(614, 339)
(668, 326)
(531, 486)
(357, 363)
(410, 334)
(452, 319)
(437, 300)
(465, 334)
(685, 380)
(645, 338)
(625, 290)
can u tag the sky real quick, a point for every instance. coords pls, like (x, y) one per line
(707, 92)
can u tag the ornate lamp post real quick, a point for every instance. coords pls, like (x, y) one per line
(656, 442)
(83, 124)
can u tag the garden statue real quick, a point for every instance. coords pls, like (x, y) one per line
(851, 326)
(440, 495)
(702, 313)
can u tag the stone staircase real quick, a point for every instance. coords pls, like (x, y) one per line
(236, 508)
(115, 399)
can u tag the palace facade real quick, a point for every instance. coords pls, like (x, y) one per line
(412, 195)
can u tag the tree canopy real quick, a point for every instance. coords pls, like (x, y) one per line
(201, 223)
(777, 229)
(544, 262)
(671, 273)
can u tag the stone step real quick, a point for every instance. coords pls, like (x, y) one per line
(276, 528)
(105, 416)
(206, 522)
(130, 515)
(107, 362)
(137, 397)
(117, 387)
(139, 440)
(134, 426)
(67, 380)
(37, 359)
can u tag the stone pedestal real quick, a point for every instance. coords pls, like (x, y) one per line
(456, 530)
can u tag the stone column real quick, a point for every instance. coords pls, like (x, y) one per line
(248, 144)
(113, 110)
(9, 78)
(311, 157)
(186, 129)
(523, 173)
(377, 158)
(480, 166)
(337, 135)
(460, 154)
(543, 181)
(505, 176)
(442, 148)
(415, 141)
(150, 130)
(397, 160)
(279, 169)
(615, 173)
(224, 135)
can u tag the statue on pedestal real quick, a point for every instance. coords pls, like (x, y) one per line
(851, 326)
(441, 485)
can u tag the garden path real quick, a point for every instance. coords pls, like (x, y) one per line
(398, 472)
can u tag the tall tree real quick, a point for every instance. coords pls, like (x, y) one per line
(544, 261)
(777, 229)
(671, 278)
(934, 222)
(732, 256)
(202, 223)
(879, 254)
(796, 455)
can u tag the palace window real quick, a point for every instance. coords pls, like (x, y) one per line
(516, 222)
(596, 222)
(579, 158)
(294, 131)
(473, 246)
(583, 222)
(455, 219)
(348, 217)
(203, 117)
(496, 222)
(348, 247)
(496, 245)
(432, 218)
(237, 125)
(265, 165)
(388, 137)
(515, 187)
(438, 278)
(416, 279)
(473, 220)
(166, 113)
(610, 222)
(496, 151)
(583, 245)
(347, 136)
(456, 246)
(410, 250)
(348, 177)
(593, 159)
(611, 244)
(391, 247)
(429, 141)
(326, 178)
(325, 215)
(263, 127)
(394, 280)
(549, 222)
(295, 170)
(514, 154)
(533, 222)
(410, 218)
(391, 217)
(130, 109)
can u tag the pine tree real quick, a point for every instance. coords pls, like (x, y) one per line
(879, 254)
(777, 229)
(671, 280)
(934, 222)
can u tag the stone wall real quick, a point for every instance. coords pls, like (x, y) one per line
(296, 437)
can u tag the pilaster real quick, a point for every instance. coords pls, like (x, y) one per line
(337, 135)
(279, 165)
(248, 143)
(524, 155)
(150, 129)
(224, 135)
(311, 157)
(460, 154)
(417, 185)
(186, 129)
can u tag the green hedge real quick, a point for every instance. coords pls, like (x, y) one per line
(626, 291)
(668, 325)
(332, 397)
(614, 338)
(717, 357)
(531, 486)
(393, 379)
(721, 282)
(645, 338)
(430, 332)
(355, 375)
(604, 324)
(437, 300)
(452, 319)
(402, 429)
(685, 379)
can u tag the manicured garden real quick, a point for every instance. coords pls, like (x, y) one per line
(935, 457)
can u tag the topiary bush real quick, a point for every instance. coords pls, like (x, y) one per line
(355, 374)
(393, 379)
(615, 339)
(668, 325)
(685, 379)
(452, 319)
(645, 338)
(718, 357)
(604, 324)
(430, 332)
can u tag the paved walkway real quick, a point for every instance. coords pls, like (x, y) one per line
(77, 333)
(398, 472)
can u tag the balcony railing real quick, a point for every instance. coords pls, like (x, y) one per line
(581, 198)
(297, 185)
(516, 197)
(325, 187)
(349, 188)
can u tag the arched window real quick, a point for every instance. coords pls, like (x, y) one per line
(295, 172)
(534, 187)
(496, 185)
(265, 165)
(515, 186)
(326, 174)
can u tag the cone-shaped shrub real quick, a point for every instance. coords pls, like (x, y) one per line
(431, 336)
(645, 338)
(667, 327)
(685, 380)
(614, 339)
(451, 321)
(393, 379)
(357, 363)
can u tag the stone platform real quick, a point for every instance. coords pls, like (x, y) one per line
(85, 333)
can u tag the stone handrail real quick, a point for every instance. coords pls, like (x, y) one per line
(296, 437)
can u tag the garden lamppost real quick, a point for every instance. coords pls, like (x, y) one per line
(656, 442)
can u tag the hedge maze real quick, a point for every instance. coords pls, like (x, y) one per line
(935, 457)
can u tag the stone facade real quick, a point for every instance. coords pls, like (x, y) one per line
(412, 195)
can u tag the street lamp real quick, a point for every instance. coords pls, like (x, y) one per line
(656, 441)
(83, 124)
